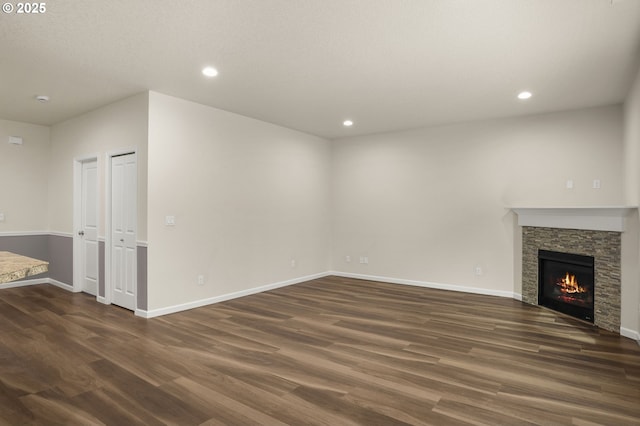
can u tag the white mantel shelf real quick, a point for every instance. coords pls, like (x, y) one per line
(608, 218)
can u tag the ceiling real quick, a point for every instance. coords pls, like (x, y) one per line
(311, 64)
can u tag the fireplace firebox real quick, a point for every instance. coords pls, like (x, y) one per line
(566, 283)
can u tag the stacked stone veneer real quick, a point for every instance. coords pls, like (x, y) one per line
(604, 246)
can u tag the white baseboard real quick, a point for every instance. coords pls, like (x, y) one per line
(37, 281)
(60, 284)
(426, 284)
(24, 283)
(22, 233)
(631, 334)
(517, 296)
(210, 301)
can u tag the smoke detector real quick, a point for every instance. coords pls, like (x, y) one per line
(42, 98)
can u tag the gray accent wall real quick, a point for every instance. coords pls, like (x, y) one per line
(101, 265)
(35, 246)
(142, 278)
(61, 258)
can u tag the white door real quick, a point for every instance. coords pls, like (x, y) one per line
(89, 227)
(123, 230)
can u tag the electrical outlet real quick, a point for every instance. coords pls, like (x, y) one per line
(364, 260)
(347, 259)
(293, 263)
(1, 217)
(478, 270)
(596, 184)
(569, 184)
(170, 220)
(200, 279)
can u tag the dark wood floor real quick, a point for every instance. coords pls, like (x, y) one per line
(332, 351)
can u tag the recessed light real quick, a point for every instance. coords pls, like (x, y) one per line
(210, 71)
(347, 123)
(524, 95)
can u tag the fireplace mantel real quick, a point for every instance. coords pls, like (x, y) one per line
(590, 218)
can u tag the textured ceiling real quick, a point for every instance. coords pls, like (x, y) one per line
(310, 64)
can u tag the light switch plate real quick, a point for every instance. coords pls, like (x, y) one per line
(170, 220)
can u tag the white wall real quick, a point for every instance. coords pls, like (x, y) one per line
(631, 275)
(24, 172)
(432, 204)
(123, 124)
(248, 198)
(632, 143)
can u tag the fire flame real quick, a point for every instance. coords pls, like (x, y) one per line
(569, 284)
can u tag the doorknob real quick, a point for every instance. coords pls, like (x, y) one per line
(81, 233)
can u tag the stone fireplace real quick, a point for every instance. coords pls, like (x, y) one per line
(603, 246)
(579, 233)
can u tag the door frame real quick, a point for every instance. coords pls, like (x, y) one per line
(77, 219)
(108, 292)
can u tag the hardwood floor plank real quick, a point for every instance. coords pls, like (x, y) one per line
(332, 351)
(15, 318)
(50, 407)
(407, 408)
(111, 411)
(13, 410)
(327, 398)
(477, 414)
(162, 405)
(549, 406)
